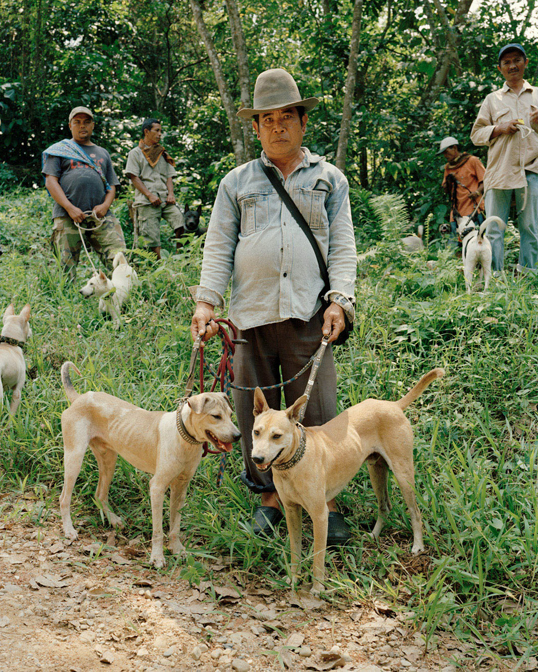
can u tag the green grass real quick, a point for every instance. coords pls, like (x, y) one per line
(475, 430)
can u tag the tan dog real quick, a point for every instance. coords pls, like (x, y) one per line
(15, 333)
(150, 441)
(374, 430)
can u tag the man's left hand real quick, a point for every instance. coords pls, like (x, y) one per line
(333, 322)
(171, 199)
(101, 210)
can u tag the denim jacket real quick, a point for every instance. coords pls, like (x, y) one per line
(253, 238)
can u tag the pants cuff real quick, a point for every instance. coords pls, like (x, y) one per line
(254, 487)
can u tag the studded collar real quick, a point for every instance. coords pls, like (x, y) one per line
(12, 341)
(299, 453)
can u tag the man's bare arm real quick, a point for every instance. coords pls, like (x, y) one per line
(138, 184)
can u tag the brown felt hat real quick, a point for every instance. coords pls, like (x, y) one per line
(274, 90)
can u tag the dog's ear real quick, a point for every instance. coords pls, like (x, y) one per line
(25, 312)
(197, 403)
(199, 210)
(227, 400)
(260, 402)
(293, 411)
(10, 310)
(186, 208)
(102, 275)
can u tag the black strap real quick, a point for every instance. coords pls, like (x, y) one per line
(296, 213)
(12, 341)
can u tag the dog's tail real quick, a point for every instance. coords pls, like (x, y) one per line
(419, 388)
(486, 223)
(119, 259)
(70, 391)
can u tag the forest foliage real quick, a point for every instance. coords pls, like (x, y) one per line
(422, 70)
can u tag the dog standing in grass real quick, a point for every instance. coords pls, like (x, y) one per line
(113, 294)
(311, 465)
(167, 445)
(15, 332)
(476, 248)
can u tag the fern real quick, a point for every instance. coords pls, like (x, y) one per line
(392, 212)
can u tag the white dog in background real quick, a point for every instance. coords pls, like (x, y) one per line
(476, 248)
(15, 333)
(112, 293)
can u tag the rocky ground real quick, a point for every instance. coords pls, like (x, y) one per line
(95, 606)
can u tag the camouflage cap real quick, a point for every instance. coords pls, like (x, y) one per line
(80, 110)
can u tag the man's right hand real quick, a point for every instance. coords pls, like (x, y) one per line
(76, 214)
(203, 321)
(508, 127)
(154, 200)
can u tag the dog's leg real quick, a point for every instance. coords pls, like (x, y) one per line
(379, 472)
(157, 488)
(16, 398)
(320, 519)
(468, 275)
(405, 475)
(487, 276)
(178, 492)
(106, 463)
(75, 445)
(294, 514)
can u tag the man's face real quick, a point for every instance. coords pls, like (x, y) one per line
(81, 126)
(281, 132)
(512, 66)
(451, 153)
(153, 135)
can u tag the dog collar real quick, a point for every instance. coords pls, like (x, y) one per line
(12, 341)
(182, 430)
(298, 453)
(467, 231)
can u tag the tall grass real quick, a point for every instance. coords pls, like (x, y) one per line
(475, 431)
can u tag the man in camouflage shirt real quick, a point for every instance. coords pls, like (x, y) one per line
(80, 178)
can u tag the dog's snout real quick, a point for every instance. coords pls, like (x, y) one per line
(258, 460)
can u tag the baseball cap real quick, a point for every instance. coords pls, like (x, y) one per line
(80, 110)
(446, 143)
(511, 47)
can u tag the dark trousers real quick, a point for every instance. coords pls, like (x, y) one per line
(274, 353)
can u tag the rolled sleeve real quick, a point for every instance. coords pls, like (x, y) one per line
(133, 165)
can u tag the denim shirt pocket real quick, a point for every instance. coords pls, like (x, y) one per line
(254, 213)
(311, 203)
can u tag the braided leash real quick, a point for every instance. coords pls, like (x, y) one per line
(89, 214)
(224, 375)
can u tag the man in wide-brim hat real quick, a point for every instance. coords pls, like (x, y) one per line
(276, 281)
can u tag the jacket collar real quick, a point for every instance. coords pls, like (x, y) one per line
(308, 159)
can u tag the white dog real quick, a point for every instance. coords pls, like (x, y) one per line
(112, 293)
(15, 333)
(414, 243)
(476, 248)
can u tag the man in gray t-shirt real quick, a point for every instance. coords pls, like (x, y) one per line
(151, 170)
(80, 178)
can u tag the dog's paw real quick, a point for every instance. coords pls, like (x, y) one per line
(158, 561)
(71, 534)
(115, 520)
(177, 548)
(417, 548)
(317, 588)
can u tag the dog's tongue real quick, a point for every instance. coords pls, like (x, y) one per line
(225, 447)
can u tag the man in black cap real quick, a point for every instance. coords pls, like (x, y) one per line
(508, 124)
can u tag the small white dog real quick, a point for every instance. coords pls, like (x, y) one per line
(15, 333)
(476, 248)
(112, 293)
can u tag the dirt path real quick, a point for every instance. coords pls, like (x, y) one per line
(91, 606)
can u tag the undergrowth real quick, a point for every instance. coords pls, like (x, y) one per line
(475, 430)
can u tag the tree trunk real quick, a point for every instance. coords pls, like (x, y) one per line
(238, 38)
(345, 124)
(236, 133)
(448, 54)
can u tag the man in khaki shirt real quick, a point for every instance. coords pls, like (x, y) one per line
(508, 124)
